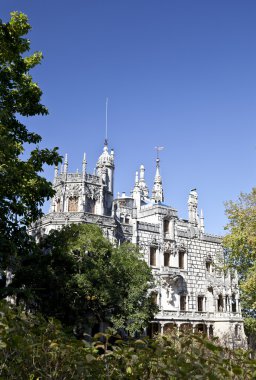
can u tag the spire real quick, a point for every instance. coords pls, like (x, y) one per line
(66, 164)
(56, 172)
(157, 192)
(142, 184)
(202, 221)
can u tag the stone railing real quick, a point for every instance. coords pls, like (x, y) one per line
(150, 227)
(211, 238)
(202, 315)
(169, 270)
(76, 217)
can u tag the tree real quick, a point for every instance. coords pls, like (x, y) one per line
(23, 190)
(241, 249)
(77, 276)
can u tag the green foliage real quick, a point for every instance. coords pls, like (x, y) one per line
(22, 190)
(241, 239)
(241, 253)
(31, 348)
(77, 276)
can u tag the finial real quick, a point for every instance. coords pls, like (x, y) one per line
(56, 171)
(142, 172)
(202, 221)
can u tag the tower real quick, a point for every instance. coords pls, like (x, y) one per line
(105, 171)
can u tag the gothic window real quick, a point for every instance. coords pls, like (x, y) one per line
(183, 301)
(220, 303)
(90, 205)
(227, 303)
(233, 303)
(73, 204)
(127, 219)
(166, 259)
(152, 258)
(208, 266)
(121, 218)
(57, 209)
(200, 303)
(166, 226)
(181, 259)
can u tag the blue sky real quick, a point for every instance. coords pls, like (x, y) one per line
(180, 74)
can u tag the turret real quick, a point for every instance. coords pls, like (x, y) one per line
(106, 161)
(192, 206)
(157, 192)
(84, 166)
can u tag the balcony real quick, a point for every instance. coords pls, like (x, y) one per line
(197, 315)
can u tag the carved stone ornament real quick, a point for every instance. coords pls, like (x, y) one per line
(168, 247)
(92, 192)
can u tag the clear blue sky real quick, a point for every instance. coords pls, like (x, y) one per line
(181, 74)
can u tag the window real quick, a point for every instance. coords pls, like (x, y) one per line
(233, 303)
(209, 266)
(57, 205)
(220, 303)
(183, 302)
(73, 204)
(166, 259)
(166, 226)
(152, 259)
(126, 220)
(90, 205)
(200, 303)
(236, 331)
(181, 259)
(154, 298)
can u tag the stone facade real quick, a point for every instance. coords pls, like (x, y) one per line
(191, 288)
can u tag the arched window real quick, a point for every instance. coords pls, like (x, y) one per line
(73, 204)
(200, 303)
(220, 303)
(90, 205)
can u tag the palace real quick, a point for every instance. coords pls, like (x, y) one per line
(191, 289)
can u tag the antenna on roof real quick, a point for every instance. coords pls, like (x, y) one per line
(106, 124)
(158, 149)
